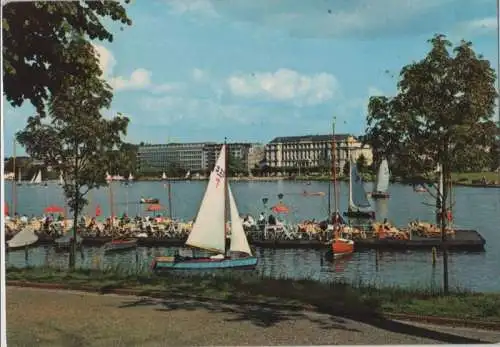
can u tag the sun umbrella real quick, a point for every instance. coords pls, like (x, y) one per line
(54, 209)
(280, 208)
(155, 208)
(98, 210)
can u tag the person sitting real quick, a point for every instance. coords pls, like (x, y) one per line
(271, 220)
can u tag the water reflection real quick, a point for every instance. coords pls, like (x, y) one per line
(378, 267)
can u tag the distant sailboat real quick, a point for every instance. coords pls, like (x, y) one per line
(19, 178)
(382, 182)
(130, 177)
(209, 230)
(188, 175)
(61, 180)
(37, 178)
(163, 176)
(357, 196)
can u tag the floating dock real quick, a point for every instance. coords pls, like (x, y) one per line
(465, 240)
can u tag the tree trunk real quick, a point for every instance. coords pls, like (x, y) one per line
(72, 251)
(443, 212)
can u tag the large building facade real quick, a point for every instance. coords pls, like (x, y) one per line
(195, 157)
(314, 152)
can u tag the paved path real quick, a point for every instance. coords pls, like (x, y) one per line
(59, 318)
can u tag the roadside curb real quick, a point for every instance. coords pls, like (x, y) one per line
(454, 322)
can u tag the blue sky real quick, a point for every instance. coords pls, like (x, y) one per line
(251, 70)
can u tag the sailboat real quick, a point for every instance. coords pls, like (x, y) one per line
(382, 182)
(19, 178)
(357, 196)
(163, 176)
(209, 230)
(340, 246)
(23, 239)
(188, 175)
(61, 180)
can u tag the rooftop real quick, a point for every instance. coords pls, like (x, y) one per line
(310, 138)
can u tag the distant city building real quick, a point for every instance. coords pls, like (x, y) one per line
(196, 157)
(256, 154)
(314, 151)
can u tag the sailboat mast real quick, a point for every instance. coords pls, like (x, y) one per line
(350, 173)
(226, 194)
(334, 169)
(14, 198)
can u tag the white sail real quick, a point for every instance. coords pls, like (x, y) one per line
(358, 193)
(164, 176)
(188, 174)
(209, 227)
(130, 177)
(33, 178)
(25, 237)
(61, 180)
(382, 183)
(19, 177)
(38, 178)
(239, 242)
(108, 176)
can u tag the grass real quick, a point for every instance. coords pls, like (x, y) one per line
(470, 177)
(348, 298)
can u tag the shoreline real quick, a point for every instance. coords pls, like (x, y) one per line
(415, 304)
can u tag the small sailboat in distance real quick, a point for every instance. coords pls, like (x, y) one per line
(382, 182)
(209, 230)
(358, 202)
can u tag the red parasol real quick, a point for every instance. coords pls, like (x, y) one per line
(280, 208)
(53, 209)
(6, 209)
(155, 207)
(98, 210)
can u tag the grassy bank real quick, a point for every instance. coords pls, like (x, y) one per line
(349, 298)
(471, 177)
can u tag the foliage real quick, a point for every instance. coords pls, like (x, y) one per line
(124, 159)
(442, 114)
(76, 140)
(362, 164)
(345, 169)
(38, 46)
(235, 165)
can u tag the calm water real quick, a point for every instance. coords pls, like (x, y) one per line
(477, 208)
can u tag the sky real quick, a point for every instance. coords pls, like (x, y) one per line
(252, 70)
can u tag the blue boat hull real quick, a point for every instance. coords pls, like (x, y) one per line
(171, 263)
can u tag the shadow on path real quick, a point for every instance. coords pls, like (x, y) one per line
(267, 315)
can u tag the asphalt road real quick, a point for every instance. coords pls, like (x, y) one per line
(60, 318)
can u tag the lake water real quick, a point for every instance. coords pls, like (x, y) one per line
(475, 208)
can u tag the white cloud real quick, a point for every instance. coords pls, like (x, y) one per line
(285, 85)
(106, 60)
(170, 109)
(327, 18)
(203, 7)
(139, 79)
(478, 27)
(199, 75)
(374, 91)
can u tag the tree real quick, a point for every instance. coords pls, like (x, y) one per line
(235, 165)
(76, 140)
(362, 164)
(38, 46)
(442, 114)
(345, 169)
